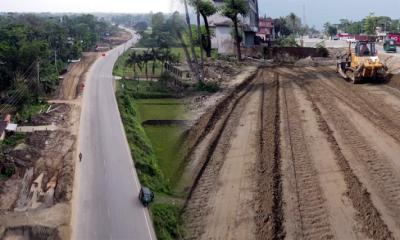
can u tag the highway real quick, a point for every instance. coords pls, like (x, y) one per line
(105, 204)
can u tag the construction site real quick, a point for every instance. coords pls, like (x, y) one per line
(298, 153)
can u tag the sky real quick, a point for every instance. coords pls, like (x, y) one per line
(115, 6)
(317, 12)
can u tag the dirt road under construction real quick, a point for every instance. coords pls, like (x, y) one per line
(300, 153)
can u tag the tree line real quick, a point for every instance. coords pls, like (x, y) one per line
(367, 25)
(33, 45)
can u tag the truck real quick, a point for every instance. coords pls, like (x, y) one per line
(395, 36)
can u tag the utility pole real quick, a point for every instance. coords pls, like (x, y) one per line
(38, 75)
(55, 60)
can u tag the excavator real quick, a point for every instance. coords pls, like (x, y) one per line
(361, 62)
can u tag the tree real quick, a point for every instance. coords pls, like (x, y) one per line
(232, 9)
(281, 28)
(370, 24)
(177, 25)
(344, 25)
(330, 30)
(206, 8)
(196, 67)
(294, 23)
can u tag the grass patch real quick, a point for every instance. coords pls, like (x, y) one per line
(7, 168)
(167, 221)
(13, 140)
(157, 150)
(142, 151)
(161, 109)
(145, 89)
(29, 111)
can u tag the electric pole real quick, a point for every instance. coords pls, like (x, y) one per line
(38, 75)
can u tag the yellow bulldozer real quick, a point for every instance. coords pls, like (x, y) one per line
(361, 63)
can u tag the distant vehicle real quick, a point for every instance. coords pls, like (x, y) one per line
(146, 196)
(351, 40)
(335, 38)
(395, 36)
(103, 54)
(390, 45)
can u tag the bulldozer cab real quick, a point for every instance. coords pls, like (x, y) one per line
(365, 49)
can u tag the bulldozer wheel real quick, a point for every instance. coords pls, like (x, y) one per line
(353, 78)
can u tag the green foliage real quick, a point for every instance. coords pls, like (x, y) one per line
(8, 170)
(370, 24)
(233, 8)
(141, 149)
(289, 41)
(161, 35)
(27, 38)
(167, 221)
(29, 111)
(322, 50)
(13, 140)
(210, 87)
(330, 30)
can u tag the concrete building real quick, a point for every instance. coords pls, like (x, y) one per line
(223, 28)
(266, 29)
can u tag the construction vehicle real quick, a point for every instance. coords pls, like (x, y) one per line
(361, 62)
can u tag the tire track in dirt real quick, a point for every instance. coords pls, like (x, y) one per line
(269, 217)
(379, 171)
(311, 202)
(363, 101)
(200, 203)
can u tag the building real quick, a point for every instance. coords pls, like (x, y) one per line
(222, 27)
(266, 29)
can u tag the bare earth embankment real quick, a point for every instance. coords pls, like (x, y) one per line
(299, 153)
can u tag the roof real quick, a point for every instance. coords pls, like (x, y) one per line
(219, 20)
(11, 127)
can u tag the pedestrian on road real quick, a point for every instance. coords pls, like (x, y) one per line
(80, 157)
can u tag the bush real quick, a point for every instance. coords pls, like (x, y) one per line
(167, 221)
(321, 49)
(142, 151)
(8, 170)
(289, 41)
(210, 87)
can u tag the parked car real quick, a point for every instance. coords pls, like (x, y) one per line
(146, 196)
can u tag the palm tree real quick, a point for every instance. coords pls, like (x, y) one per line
(206, 8)
(232, 9)
(191, 44)
(154, 54)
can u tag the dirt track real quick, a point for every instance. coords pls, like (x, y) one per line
(301, 154)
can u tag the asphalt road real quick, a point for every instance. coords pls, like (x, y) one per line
(106, 204)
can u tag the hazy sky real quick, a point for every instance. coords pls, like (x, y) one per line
(317, 11)
(320, 11)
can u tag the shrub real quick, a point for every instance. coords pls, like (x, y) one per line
(321, 49)
(167, 221)
(210, 87)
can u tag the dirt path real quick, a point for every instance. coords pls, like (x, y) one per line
(221, 207)
(302, 155)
